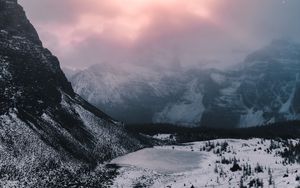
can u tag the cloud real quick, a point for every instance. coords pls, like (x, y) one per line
(155, 32)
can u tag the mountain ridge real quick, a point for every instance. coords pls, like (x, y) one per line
(198, 97)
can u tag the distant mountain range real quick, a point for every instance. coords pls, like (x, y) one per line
(264, 89)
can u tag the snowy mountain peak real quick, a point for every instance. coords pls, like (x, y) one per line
(264, 89)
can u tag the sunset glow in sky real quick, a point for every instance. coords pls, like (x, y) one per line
(82, 33)
(125, 20)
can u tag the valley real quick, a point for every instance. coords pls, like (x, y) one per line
(136, 126)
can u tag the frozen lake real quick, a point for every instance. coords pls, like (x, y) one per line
(165, 161)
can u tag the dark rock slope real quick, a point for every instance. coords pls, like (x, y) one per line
(43, 123)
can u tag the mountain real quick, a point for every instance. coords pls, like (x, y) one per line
(47, 131)
(130, 97)
(264, 89)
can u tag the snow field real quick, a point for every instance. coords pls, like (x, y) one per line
(259, 166)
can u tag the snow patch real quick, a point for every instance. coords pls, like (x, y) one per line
(218, 78)
(164, 137)
(188, 111)
(252, 118)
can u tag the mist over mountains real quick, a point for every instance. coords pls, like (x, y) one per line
(192, 32)
(263, 89)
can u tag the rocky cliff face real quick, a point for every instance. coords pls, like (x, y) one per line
(264, 90)
(42, 120)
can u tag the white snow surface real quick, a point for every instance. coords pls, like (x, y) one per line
(164, 137)
(252, 118)
(166, 166)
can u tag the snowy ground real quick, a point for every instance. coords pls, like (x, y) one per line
(209, 164)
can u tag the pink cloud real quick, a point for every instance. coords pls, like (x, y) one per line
(86, 32)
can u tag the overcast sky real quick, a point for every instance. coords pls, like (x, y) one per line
(160, 32)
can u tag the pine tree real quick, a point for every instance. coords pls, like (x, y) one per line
(241, 182)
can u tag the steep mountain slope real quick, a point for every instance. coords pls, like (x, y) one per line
(264, 90)
(44, 125)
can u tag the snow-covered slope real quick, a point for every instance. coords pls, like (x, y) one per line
(133, 97)
(265, 89)
(47, 132)
(187, 110)
(217, 163)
